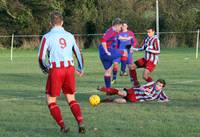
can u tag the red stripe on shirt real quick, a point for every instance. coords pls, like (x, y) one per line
(42, 48)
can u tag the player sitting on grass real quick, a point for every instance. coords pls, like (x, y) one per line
(150, 91)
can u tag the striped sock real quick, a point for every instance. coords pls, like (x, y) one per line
(56, 114)
(76, 111)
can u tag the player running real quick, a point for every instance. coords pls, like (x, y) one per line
(126, 37)
(108, 49)
(150, 91)
(151, 46)
(59, 45)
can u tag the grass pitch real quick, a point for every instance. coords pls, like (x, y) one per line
(24, 113)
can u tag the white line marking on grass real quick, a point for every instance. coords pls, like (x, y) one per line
(10, 99)
(40, 96)
(84, 92)
(184, 82)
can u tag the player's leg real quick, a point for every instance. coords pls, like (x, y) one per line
(133, 75)
(107, 64)
(53, 88)
(76, 111)
(107, 76)
(69, 93)
(113, 91)
(55, 111)
(148, 69)
(146, 76)
(140, 63)
(130, 62)
(124, 59)
(131, 96)
(115, 70)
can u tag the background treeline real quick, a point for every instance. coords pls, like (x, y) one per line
(95, 16)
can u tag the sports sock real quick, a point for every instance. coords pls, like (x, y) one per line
(149, 79)
(133, 76)
(76, 111)
(109, 90)
(107, 81)
(115, 70)
(123, 63)
(56, 114)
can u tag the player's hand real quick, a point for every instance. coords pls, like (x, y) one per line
(45, 71)
(79, 73)
(128, 46)
(108, 53)
(145, 47)
(130, 37)
(134, 49)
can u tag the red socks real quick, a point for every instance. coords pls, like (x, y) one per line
(109, 90)
(76, 110)
(149, 79)
(56, 114)
(133, 75)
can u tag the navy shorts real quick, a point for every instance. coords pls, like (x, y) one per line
(107, 60)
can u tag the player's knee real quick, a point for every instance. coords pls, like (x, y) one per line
(108, 72)
(50, 99)
(70, 97)
(132, 66)
(145, 76)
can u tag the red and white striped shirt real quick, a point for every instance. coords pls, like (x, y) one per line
(151, 45)
(142, 94)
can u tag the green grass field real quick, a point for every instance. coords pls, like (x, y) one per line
(24, 113)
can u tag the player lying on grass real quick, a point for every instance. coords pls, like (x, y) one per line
(150, 91)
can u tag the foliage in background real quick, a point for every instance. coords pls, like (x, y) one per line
(95, 16)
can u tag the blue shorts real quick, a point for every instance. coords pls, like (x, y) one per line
(118, 60)
(130, 58)
(107, 60)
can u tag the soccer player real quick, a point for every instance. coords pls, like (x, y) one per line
(108, 49)
(150, 91)
(126, 37)
(59, 45)
(151, 46)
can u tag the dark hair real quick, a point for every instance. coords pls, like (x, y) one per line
(116, 21)
(56, 18)
(161, 81)
(125, 22)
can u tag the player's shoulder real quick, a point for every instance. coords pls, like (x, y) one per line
(156, 37)
(130, 32)
(109, 30)
(46, 35)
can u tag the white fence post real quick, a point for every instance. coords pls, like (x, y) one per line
(197, 46)
(157, 18)
(11, 49)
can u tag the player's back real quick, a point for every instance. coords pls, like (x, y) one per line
(60, 46)
(110, 37)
